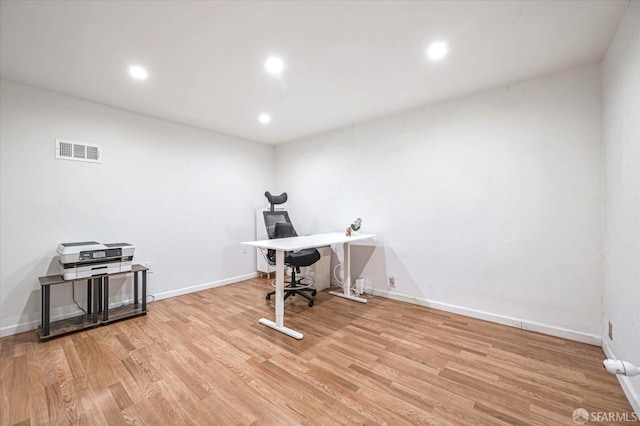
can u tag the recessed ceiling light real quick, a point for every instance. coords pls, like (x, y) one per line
(138, 72)
(437, 50)
(264, 118)
(274, 65)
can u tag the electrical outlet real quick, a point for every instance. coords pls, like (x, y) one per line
(610, 331)
(151, 266)
(392, 281)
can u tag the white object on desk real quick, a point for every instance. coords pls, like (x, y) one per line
(282, 245)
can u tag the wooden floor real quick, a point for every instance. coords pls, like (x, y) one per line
(203, 359)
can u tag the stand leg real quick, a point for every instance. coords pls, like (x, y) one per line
(279, 323)
(144, 291)
(96, 294)
(135, 288)
(105, 308)
(89, 297)
(99, 294)
(46, 312)
(346, 286)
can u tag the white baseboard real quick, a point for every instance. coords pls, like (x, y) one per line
(625, 383)
(70, 311)
(205, 286)
(12, 329)
(33, 320)
(551, 330)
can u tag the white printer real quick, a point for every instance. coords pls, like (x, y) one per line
(90, 258)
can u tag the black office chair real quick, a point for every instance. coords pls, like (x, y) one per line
(279, 225)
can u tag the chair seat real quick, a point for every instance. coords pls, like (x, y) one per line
(304, 257)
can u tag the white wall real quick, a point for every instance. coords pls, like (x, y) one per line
(621, 138)
(490, 203)
(185, 197)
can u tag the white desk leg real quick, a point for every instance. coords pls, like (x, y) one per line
(279, 324)
(346, 286)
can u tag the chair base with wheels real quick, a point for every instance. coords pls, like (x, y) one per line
(296, 287)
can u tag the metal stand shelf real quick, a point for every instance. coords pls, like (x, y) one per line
(97, 303)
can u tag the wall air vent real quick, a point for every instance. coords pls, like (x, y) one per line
(69, 150)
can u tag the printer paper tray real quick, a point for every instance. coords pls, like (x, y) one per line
(89, 271)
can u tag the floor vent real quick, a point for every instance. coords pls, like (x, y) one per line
(68, 150)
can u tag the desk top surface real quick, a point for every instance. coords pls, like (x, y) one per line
(307, 241)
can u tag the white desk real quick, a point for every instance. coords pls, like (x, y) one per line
(282, 245)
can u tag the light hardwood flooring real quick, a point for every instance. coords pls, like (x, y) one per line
(203, 359)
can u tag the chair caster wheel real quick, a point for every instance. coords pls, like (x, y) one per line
(313, 293)
(268, 297)
(311, 304)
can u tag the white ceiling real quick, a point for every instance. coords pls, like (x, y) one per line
(347, 61)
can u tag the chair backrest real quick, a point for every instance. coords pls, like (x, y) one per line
(284, 230)
(278, 224)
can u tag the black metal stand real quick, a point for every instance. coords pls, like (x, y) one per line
(97, 302)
